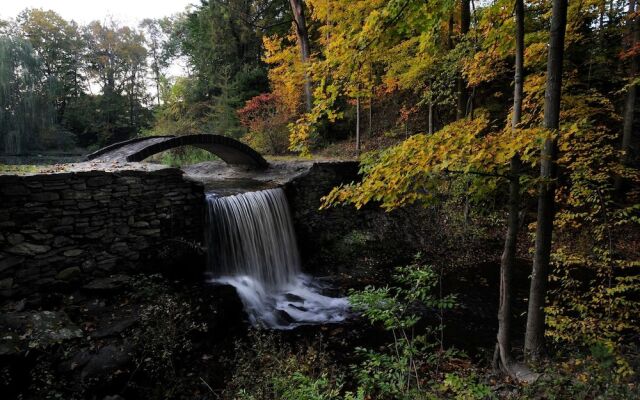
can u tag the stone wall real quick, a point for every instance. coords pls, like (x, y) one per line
(61, 227)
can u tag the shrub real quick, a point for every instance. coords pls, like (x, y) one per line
(266, 118)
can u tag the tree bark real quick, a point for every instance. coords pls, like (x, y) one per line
(630, 103)
(131, 98)
(297, 9)
(465, 22)
(534, 338)
(370, 130)
(358, 126)
(430, 118)
(504, 358)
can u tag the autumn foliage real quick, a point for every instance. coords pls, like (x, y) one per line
(265, 117)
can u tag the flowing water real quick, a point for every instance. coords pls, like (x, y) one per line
(252, 246)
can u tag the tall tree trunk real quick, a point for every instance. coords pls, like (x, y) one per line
(465, 22)
(503, 358)
(630, 103)
(297, 9)
(450, 33)
(370, 130)
(534, 338)
(358, 126)
(430, 118)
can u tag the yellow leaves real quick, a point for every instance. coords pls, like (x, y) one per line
(484, 66)
(286, 72)
(300, 137)
(415, 169)
(535, 54)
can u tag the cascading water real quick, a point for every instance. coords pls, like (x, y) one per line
(252, 246)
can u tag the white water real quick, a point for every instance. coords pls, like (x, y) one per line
(252, 246)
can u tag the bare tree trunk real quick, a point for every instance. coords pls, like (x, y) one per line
(358, 126)
(370, 130)
(534, 338)
(503, 358)
(297, 9)
(430, 118)
(630, 103)
(131, 97)
(465, 22)
(156, 71)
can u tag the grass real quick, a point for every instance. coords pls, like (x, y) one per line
(20, 169)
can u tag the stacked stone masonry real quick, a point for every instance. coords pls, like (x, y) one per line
(69, 226)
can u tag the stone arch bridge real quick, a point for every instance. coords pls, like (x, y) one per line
(229, 150)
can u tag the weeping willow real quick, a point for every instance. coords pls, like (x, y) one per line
(26, 114)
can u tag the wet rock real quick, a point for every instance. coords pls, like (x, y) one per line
(284, 318)
(114, 397)
(6, 284)
(10, 343)
(37, 329)
(140, 224)
(60, 241)
(73, 252)
(28, 249)
(69, 274)
(10, 262)
(79, 360)
(112, 284)
(115, 328)
(299, 308)
(293, 297)
(108, 360)
(15, 238)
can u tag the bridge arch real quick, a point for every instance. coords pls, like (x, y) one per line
(228, 149)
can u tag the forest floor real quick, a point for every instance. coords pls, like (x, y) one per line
(346, 148)
(155, 336)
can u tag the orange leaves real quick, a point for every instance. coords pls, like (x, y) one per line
(286, 72)
(630, 52)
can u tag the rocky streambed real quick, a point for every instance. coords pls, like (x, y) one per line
(115, 336)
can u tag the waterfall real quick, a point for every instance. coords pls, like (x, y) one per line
(252, 234)
(252, 246)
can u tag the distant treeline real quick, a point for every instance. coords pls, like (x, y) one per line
(64, 85)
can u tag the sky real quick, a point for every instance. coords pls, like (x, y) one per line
(128, 12)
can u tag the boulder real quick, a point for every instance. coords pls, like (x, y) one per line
(28, 249)
(108, 360)
(112, 284)
(36, 329)
(69, 274)
(115, 328)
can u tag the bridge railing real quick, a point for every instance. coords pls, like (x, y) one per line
(117, 145)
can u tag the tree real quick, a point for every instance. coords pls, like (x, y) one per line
(534, 339)
(222, 43)
(503, 358)
(465, 22)
(297, 10)
(26, 113)
(633, 27)
(59, 45)
(156, 35)
(117, 61)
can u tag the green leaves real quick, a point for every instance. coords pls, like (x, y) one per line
(395, 372)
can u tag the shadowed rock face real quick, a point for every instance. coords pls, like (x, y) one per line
(229, 150)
